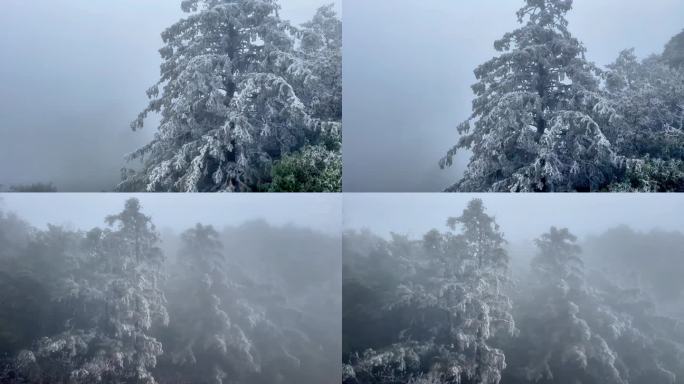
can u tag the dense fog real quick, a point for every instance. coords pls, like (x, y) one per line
(251, 300)
(480, 299)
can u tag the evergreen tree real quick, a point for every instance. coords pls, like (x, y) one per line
(647, 126)
(649, 346)
(207, 345)
(317, 167)
(559, 343)
(455, 303)
(537, 115)
(237, 92)
(108, 339)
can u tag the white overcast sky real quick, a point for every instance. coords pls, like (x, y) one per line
(178, 211)
(408, 68)
(73, 75)
(522, 217)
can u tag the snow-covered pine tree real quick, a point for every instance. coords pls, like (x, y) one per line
(236, 93)
(456, 302)
(109, 339)
(535, 124)
(649, 346)
(647, 126)
(317, 167)
(560, 345)
(208, 345)
(479, 285)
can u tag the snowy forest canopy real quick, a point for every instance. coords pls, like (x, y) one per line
(462, 305)
(546, 119)
(252, 303)
(247, 103)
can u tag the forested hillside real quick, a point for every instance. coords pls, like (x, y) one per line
(120, 304)
(449, 308)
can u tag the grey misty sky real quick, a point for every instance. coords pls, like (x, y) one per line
(73, 75)
(321, 212)
(522, 217)
(408, 68)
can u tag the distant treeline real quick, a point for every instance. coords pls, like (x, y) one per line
(35, 187)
